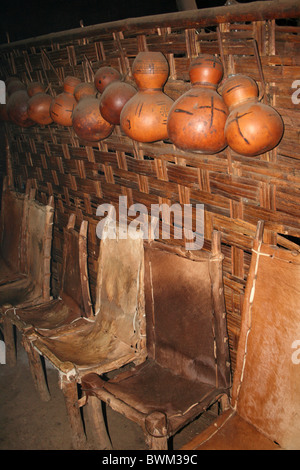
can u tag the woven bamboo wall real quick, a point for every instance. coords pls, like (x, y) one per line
(237, 191)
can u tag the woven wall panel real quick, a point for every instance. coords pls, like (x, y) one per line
(236, 191)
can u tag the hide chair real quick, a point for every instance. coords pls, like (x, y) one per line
(73, 302)
(265, 404)
(111, 338)
(26, 244)
(11, 241)
(187, 368)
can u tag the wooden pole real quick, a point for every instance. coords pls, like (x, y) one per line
(252, 11)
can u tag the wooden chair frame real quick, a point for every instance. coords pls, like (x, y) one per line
(52, 315)
(32, 286)
(137, 393)
(114, 337)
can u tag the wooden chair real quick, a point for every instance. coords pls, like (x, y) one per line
(187, 368)
(32, 286)
(12, 211)
(73, 302)
(265, 405)
(115, 335)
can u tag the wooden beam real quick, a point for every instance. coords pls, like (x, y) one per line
(253, 11)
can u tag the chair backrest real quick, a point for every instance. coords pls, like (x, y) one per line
(37, 232)
(75, 280)
(119, 306)
(12, 208)
(266, 386)
(185, 312)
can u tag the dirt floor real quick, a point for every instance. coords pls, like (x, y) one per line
(27, 423)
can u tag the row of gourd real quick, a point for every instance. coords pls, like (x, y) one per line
(205, 119)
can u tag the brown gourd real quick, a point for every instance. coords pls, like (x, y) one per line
(87, 121)
(17, 108)
(113, 99)
(13, 84)
(197, 119)
(39, 104)
(104, 76)
(252, 127)
(62, 105)
(83, 90)
(144, 116)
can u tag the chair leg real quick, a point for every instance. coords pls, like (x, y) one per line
(156, 427)
(224, 403)
(156, 443)
(10, 345)
(98, 427)
(69, 389)
(37, 371)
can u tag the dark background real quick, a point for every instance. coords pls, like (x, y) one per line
(21, 19)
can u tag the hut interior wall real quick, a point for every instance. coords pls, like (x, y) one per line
(236, 190)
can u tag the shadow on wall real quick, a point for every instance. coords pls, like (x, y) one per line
(2, 158)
